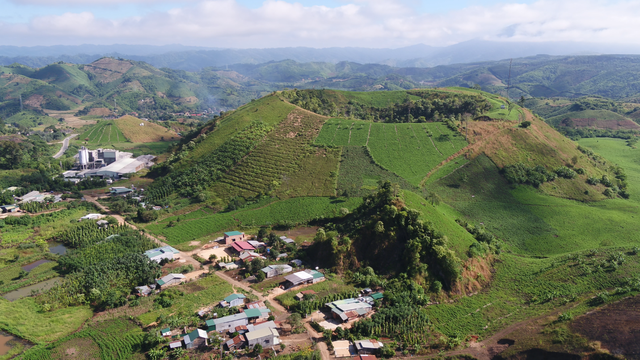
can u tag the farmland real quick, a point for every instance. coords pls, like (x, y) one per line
(408, 150)
(359, 174)
(296, 210)
(278, 157)
(104, 133)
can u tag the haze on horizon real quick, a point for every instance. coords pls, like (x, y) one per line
(315, 23)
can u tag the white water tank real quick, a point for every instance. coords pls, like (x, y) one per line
(83, 156)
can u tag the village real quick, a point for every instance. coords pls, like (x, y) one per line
(246, 322)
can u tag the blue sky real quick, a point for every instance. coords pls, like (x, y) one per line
(315, 23)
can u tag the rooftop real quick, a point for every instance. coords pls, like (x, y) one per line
(233, 233)
(242, 245)
(256, 334)
(232, 297)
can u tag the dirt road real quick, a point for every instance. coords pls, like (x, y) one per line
(239, 284)
(317, 337)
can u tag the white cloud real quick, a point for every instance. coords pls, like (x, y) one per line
(366, 23)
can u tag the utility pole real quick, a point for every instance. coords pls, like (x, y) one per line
(509, 80)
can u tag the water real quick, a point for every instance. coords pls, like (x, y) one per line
(5, 343)
(34, 264)
(26, 291)
(57, 248)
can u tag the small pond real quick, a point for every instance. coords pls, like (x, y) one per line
(57, 248)
(26, 291)
(34, 264)
(7, 342)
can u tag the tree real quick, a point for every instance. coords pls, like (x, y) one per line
(260, 276)
(257, 349)
(434, 198)
(11, 155)
(213, 257)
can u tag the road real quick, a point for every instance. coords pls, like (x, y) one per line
(65, 146)
(239, 284)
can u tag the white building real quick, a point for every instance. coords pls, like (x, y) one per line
(265, 337)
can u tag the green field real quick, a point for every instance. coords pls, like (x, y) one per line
(359, 174)
(496, 112)
(271, 110)
(24, 318)
(297, 210)
(104, 133)
(31, 120)
(409, 150)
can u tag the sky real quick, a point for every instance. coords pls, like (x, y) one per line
(315, 23)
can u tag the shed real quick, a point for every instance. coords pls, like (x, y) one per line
(196, 338)
(143, 290)
(171, 279)
(377, 296)
(9, 208)
(165, 332)
(256, 244)
(301, 294)
(236, 343)
(265, 337)
(367, 346)
(175, 344)
(257, 314)
(299, 278)
(275, 270)
(344, 348)
(248, 256)
(165, 252)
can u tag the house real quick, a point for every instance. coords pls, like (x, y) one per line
(241, 246)
(158, 254)
(120, 191)
(376, 296)
(263, 325)
(233, 300)
(9, 208)
(227, 323)
(281, 256)
(143, 290)
(165, 332)
(349, 309)
(367, 346)
(236, 343)
(256, 305)
(304, 277)
(171, 279)
(287, 240)
(102, 223)
(195, 339)
(301, 294)
(233, 236)
(344, 348)
(257, 314)
(265, 337)
(275, 270)
(248, 256)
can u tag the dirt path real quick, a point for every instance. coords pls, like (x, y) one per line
(317, 337)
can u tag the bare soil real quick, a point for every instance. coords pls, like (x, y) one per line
(616, 326)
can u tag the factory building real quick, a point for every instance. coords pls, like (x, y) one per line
(108, 163)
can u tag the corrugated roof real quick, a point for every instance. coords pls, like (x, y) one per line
(269, 324)
(299, 277)
(227, 319)
(232, 297)
(233, 233)
(253, 313)
(242, 245)
(377, 296)
(252, 335)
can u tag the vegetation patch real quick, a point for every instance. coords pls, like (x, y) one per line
(140, 131)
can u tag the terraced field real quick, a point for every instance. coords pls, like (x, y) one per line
(105, 132)
(278, 156)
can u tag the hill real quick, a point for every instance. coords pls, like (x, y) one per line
(139, 131)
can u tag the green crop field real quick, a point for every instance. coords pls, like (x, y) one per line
(359, 174)
(111, 339)
(272, 112)
(277, 157)
(31, 120)
(447, 169)
(297, 210)
(409, 150)
(497, 102)
(24, 318)
(104, 133)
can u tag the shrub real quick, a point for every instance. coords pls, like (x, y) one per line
(565, 172)
(608, 193)
(565, 317)
(593, 180)
(525, 124)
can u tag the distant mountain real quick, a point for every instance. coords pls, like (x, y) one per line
(195, 58)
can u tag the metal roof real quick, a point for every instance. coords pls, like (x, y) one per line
(242, 245)
(269, 324)
(232, 297)
(298, 277)
(227, 319)
(376, 296)
(252, 335)
(190, 337)
(233, 233)
(253, 312)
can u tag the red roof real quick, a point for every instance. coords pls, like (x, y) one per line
(364, 357)
(242, 245)
(241, 327)
(308, 292)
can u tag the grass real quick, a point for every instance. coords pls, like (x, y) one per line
(409, 150)
(447, 169)
(333, 285)
(359, 174)
(24, 318)
(149, 133)
(496, 112)
(9, 273)
(315, 175)
(30, 120)
(297, 210)
(204, 292)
